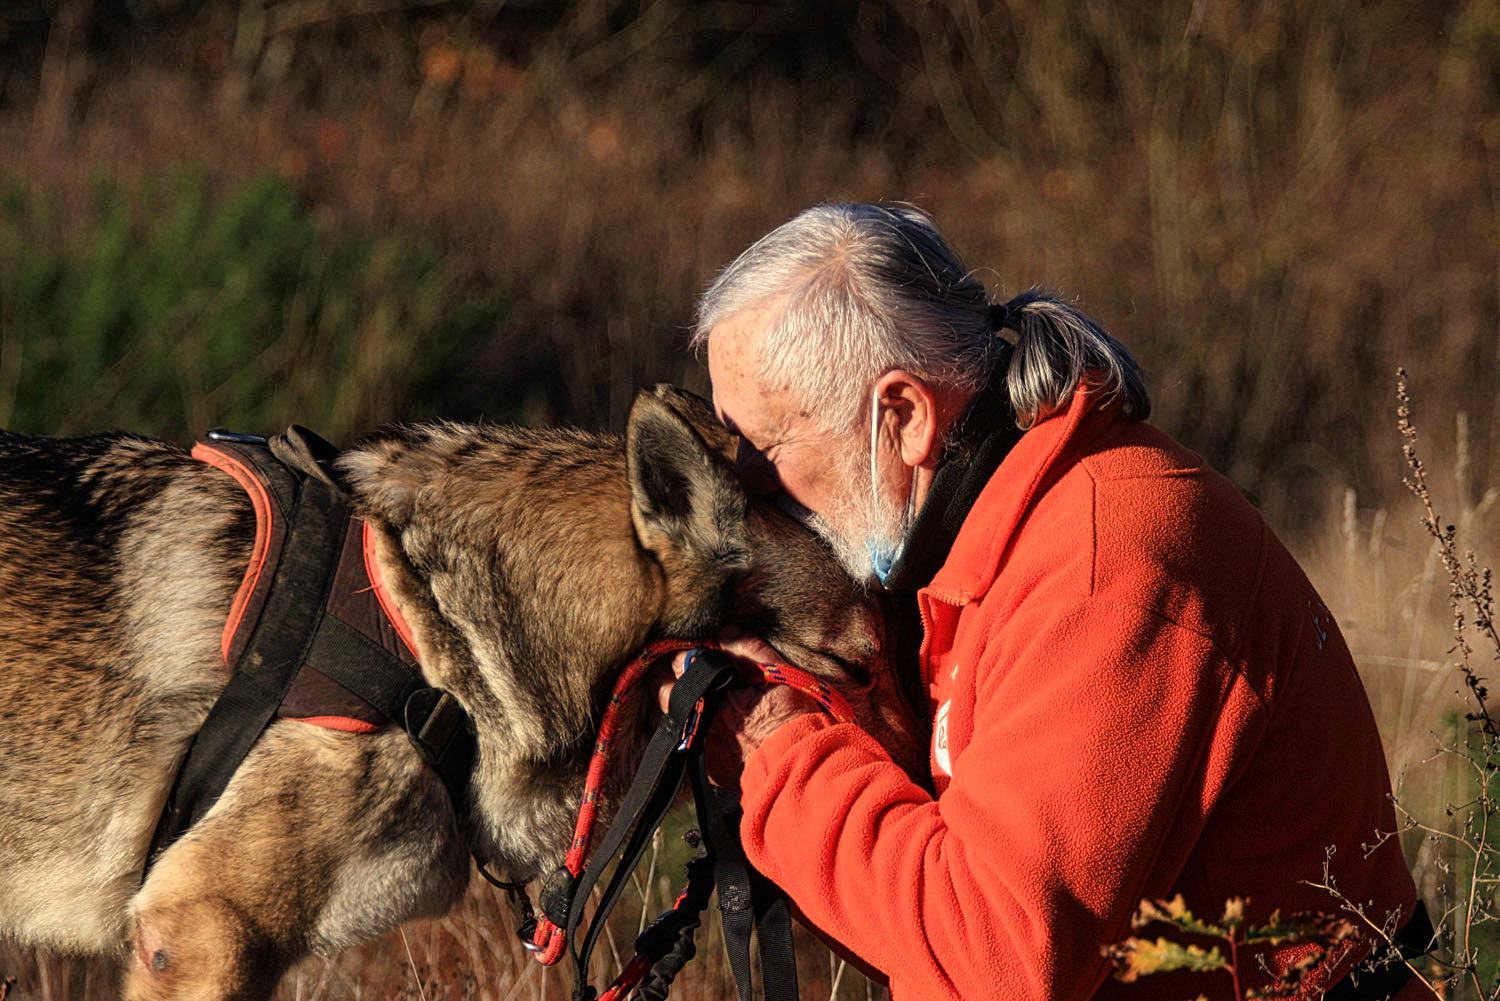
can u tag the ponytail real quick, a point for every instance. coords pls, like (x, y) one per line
(1056, 345)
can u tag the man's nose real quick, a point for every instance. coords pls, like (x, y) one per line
(756, 471)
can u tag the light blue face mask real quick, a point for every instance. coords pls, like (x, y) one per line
(884, 553)
(882, 559)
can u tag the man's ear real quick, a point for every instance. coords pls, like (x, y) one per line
(687, 506)
(914, 407)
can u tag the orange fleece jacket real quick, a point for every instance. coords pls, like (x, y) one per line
(1137, 693)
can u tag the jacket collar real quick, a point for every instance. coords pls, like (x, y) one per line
(1028, 470)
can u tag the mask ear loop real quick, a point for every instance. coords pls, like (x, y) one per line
(910, 510)
(911, 484)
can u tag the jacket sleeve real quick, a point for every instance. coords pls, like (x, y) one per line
(1084, 771)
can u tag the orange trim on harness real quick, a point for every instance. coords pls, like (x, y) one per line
(346, 724)
(261, 502)
(387, 603)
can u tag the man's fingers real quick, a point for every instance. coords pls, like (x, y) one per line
(751, 647)
(663, 678)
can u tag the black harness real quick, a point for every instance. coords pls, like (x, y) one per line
(310, 640)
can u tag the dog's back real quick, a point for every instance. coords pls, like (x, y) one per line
(137, 549)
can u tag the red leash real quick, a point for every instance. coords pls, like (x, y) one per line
(549, 941)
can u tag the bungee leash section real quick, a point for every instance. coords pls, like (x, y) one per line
(746, 899)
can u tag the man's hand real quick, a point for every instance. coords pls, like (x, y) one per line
(747, 715)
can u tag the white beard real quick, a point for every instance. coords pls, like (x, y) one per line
(859, 518)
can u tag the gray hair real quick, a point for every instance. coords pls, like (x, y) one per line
(855, 290)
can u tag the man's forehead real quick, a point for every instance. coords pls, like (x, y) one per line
(738, 397)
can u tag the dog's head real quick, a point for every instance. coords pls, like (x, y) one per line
(534, 564)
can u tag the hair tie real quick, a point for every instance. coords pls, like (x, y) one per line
(1004, 316)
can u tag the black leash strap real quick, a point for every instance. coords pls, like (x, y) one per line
(650, 795)
(750, 902)
(736, 892)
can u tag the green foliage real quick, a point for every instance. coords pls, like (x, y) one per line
(1228, 943)
(171, 309)
(1142, 957)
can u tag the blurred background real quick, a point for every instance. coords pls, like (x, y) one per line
(342, 212)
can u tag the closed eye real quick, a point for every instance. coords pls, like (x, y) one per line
(755, 469)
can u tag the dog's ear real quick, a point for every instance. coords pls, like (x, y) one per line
(685, 501)
(699, 414)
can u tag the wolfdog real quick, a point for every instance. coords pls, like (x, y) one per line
(529, 564)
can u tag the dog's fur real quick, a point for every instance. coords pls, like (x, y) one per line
(531, 564)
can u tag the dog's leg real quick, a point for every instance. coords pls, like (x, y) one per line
(203, 949)
(221, 917)
(321, 840)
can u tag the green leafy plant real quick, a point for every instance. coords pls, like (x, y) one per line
(1226, 945)
(171, 309)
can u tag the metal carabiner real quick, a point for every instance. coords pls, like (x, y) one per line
(525, 933)
(689, 733)
(690, 728)
(526, 930)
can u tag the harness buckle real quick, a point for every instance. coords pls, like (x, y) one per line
(432, 718)
(236, 437)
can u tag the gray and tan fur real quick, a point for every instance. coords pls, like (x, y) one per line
(531, 564)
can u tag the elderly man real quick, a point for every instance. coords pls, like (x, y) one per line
(1134, 691)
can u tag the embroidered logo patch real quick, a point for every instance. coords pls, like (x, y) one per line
(1322, 619)
(940, 740)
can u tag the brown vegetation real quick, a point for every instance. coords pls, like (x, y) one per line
(1274, 204)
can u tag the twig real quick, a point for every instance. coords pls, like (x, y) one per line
(420, 992)
(1331, 888)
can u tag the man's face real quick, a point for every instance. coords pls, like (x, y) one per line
(785, 450)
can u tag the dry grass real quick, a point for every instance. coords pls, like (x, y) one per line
(472, 954)
(1416, 605)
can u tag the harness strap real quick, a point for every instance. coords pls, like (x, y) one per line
(434, 721)
(274, 652)
(303, 635)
